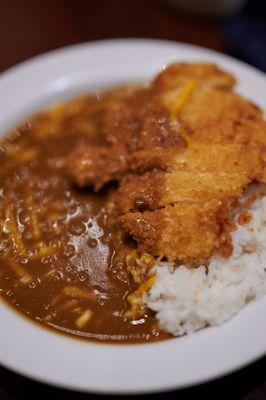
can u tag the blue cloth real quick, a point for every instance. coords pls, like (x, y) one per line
(246, 34)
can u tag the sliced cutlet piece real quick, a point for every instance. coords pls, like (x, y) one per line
(185, 231)
(211, 112)
(195, 174)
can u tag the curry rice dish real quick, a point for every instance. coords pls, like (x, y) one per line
(137, 213)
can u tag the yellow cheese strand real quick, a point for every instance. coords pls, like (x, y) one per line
(14, 232)
(144, 287)
(24, 276)
(183, 97)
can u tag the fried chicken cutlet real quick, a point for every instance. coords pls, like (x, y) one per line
(182, 150)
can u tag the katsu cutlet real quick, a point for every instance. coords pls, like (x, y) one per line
(183, 151)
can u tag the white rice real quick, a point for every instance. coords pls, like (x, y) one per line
(186, 300)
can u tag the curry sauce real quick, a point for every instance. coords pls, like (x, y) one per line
(57, 246)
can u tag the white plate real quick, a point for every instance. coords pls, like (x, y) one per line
(71, 363)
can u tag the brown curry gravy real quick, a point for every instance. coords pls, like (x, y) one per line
(56, 245)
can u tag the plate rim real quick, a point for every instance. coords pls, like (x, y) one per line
(131, 40)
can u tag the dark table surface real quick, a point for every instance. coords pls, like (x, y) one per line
(31, 27)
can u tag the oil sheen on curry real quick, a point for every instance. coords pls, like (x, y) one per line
(95, 191)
